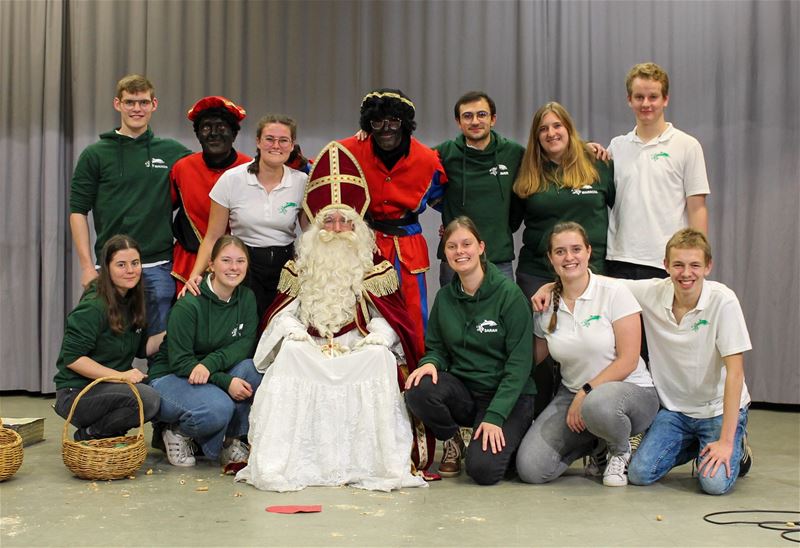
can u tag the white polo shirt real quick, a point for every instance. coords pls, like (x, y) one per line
(583, 342)
(653, 181)
(258, 217)
(686, 358)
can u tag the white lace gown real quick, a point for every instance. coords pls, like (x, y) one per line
(326, 421)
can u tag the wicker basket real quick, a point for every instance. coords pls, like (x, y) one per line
(107, 458)
(10, 452)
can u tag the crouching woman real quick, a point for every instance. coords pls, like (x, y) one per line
(104, 332)
(476, 371)
(203, 369)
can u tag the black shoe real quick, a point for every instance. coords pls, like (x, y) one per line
(747, 457)
(158, 441)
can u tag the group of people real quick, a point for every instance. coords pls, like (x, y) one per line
(314, 362)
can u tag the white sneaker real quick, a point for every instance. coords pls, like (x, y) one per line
(236, 453)
(616, 474)
(179, 449)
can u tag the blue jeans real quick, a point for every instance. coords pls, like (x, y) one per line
(159, 291)
(675, 439)
(205, 412)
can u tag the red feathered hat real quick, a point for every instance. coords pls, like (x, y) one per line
(216, 101)
(335, 181)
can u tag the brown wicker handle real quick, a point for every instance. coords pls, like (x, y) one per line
(89, 387)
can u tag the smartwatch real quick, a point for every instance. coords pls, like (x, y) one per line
(587, 388)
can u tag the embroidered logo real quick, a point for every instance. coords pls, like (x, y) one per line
(585, 189)
(285, 207)
(139, 331)
(499, 168)
(237, 331)
(698, 323)
(589, 320)
(487, 326)
(658, 155)
(157, 163)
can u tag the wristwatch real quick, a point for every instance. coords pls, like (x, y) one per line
(587, 388)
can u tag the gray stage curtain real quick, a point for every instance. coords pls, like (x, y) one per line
(734, 82)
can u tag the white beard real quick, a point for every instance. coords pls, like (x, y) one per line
(331, 268)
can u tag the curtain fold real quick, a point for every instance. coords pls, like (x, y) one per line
(734, 78)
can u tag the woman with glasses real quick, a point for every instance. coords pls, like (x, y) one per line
(261, 201)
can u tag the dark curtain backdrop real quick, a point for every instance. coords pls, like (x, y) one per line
(733, 65)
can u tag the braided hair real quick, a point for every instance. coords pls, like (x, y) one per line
(557, 289)
(569, 226)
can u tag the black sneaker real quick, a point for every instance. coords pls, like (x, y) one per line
(747, 457)
(158, 441)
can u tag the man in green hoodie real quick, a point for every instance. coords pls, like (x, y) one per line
(481, 166)
(122, 180)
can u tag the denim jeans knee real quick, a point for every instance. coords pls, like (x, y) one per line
(200, 411)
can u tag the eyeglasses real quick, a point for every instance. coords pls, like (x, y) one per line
(334, 221)
(481, 115)
(392, 123)
(220, 128)
(130, 104)
(283, 142)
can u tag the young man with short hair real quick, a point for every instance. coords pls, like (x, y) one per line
(123, 180)
(696, 334)
(481, 166)
(660, 175)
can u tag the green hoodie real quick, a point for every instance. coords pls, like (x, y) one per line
(487, 198)
(485, 340)
(207, 330)
(124, 182)
(88, 334)
(587, 206)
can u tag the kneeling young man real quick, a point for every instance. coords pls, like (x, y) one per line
(697, 334)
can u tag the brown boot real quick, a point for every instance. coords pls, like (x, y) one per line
(454, 450)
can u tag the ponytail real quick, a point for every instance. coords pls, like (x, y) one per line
(557, 289)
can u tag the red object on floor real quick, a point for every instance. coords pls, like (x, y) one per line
(295, 509)
(430, 476)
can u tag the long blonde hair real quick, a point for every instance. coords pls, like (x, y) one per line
(576, 168)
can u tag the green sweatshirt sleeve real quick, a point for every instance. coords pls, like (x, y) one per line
(226, 357)
(435, 350)
(221, 379)
(181, 328)
(611, 196)
(519, 343)
(516, 213)
(83, 328)
(85, 179)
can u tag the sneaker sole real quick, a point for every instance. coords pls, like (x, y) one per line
(609, 484)
(449, 474)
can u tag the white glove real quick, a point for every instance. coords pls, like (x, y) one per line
(298, 334)
(373, 339)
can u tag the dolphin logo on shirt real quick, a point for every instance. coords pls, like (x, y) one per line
(589, 320)
(286, 206)
(698, 323)
(487, 326)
